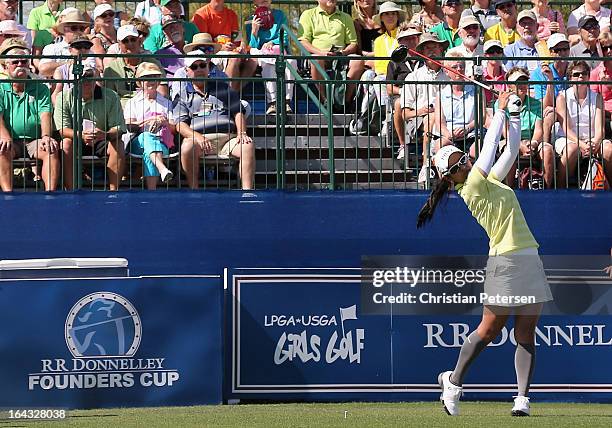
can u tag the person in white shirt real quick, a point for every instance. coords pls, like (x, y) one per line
(417, 100)
(150, 115)
(590, 7)
(149, 10)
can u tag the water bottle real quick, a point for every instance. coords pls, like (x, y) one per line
(210, 173)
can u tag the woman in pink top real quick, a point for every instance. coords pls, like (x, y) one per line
(550, 21)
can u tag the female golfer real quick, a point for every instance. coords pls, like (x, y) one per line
(514, 270)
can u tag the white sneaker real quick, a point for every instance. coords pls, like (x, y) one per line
(451, 394)
(167, 176)
(400, 153)
(521, 406)
(515, 105)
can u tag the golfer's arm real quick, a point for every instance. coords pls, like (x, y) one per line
(508, 156)
(491, 142)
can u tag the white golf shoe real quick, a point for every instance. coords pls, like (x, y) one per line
(451, 394)
(521, 406)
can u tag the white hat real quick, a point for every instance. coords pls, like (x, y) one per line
(555, 39)
(389, 6)
(10, 27)
(490, 43)
(101, 8)
(517, 74)
(194, 56)
(410, 31)
(468, 20)
(442, 156)
(126, 31)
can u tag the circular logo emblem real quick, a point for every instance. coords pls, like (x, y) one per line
(103, 325)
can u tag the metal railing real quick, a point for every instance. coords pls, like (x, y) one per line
(314, 148)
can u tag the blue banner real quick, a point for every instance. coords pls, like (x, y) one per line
(91, 343)
(301, 334)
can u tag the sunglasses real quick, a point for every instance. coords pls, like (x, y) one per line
(208, 49)
(559, 50)
(606, 48)
(19, 61)
(81, 47)
(74, 28)
(590, 26)
(580, 73)
(495, 52)
(201, 65)
(130, 39)
(452, 3)
(455, 167)
(109, 14)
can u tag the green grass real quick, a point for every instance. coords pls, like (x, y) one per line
(474, 414)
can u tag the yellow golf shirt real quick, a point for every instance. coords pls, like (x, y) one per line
(384, 46)
(324, 31)
(496, 208)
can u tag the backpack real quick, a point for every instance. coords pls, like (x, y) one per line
(369, 113)
(594, 179)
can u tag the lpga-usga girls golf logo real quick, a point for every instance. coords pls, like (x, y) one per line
(345, 343)
(103, 332)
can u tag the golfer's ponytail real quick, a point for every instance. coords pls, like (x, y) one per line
(437, 194)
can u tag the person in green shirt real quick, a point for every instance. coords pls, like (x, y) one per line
(532, 146)
(449, 28)
(26, 123)
(43, 16)
(327, 31)
(102, 127)
(157, 39)
(515, 281)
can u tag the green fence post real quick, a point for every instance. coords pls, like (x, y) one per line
(281, 119)
(329, 87)
(77, 138)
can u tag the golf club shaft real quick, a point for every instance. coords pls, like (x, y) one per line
(469, 79)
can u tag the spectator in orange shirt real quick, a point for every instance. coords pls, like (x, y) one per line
(222, 24)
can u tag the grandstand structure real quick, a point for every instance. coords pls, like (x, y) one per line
(310, 147)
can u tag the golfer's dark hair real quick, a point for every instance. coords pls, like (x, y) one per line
(436, 195)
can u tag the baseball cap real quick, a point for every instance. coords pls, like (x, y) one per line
(126, 31)
(468, 20)
(442, 156)
(517, 74)
(12, 43)
(490, 44)
(526, 14)
(266, 17)
(81, 40)
(101, 9)
(194, 56)
(498, 3)
(586, 18)
(555, 39)
(169, 19)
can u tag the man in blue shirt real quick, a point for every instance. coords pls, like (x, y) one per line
(527, 28)
(559, 47)
(211, 120)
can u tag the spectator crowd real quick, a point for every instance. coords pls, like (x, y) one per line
(126, 105)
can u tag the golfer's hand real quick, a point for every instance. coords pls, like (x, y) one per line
(502, 100)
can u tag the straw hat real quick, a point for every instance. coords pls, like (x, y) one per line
(430, 38)
(199, 40)
(148, 69)
(12, 43)
(73, 17)
(389, 6)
